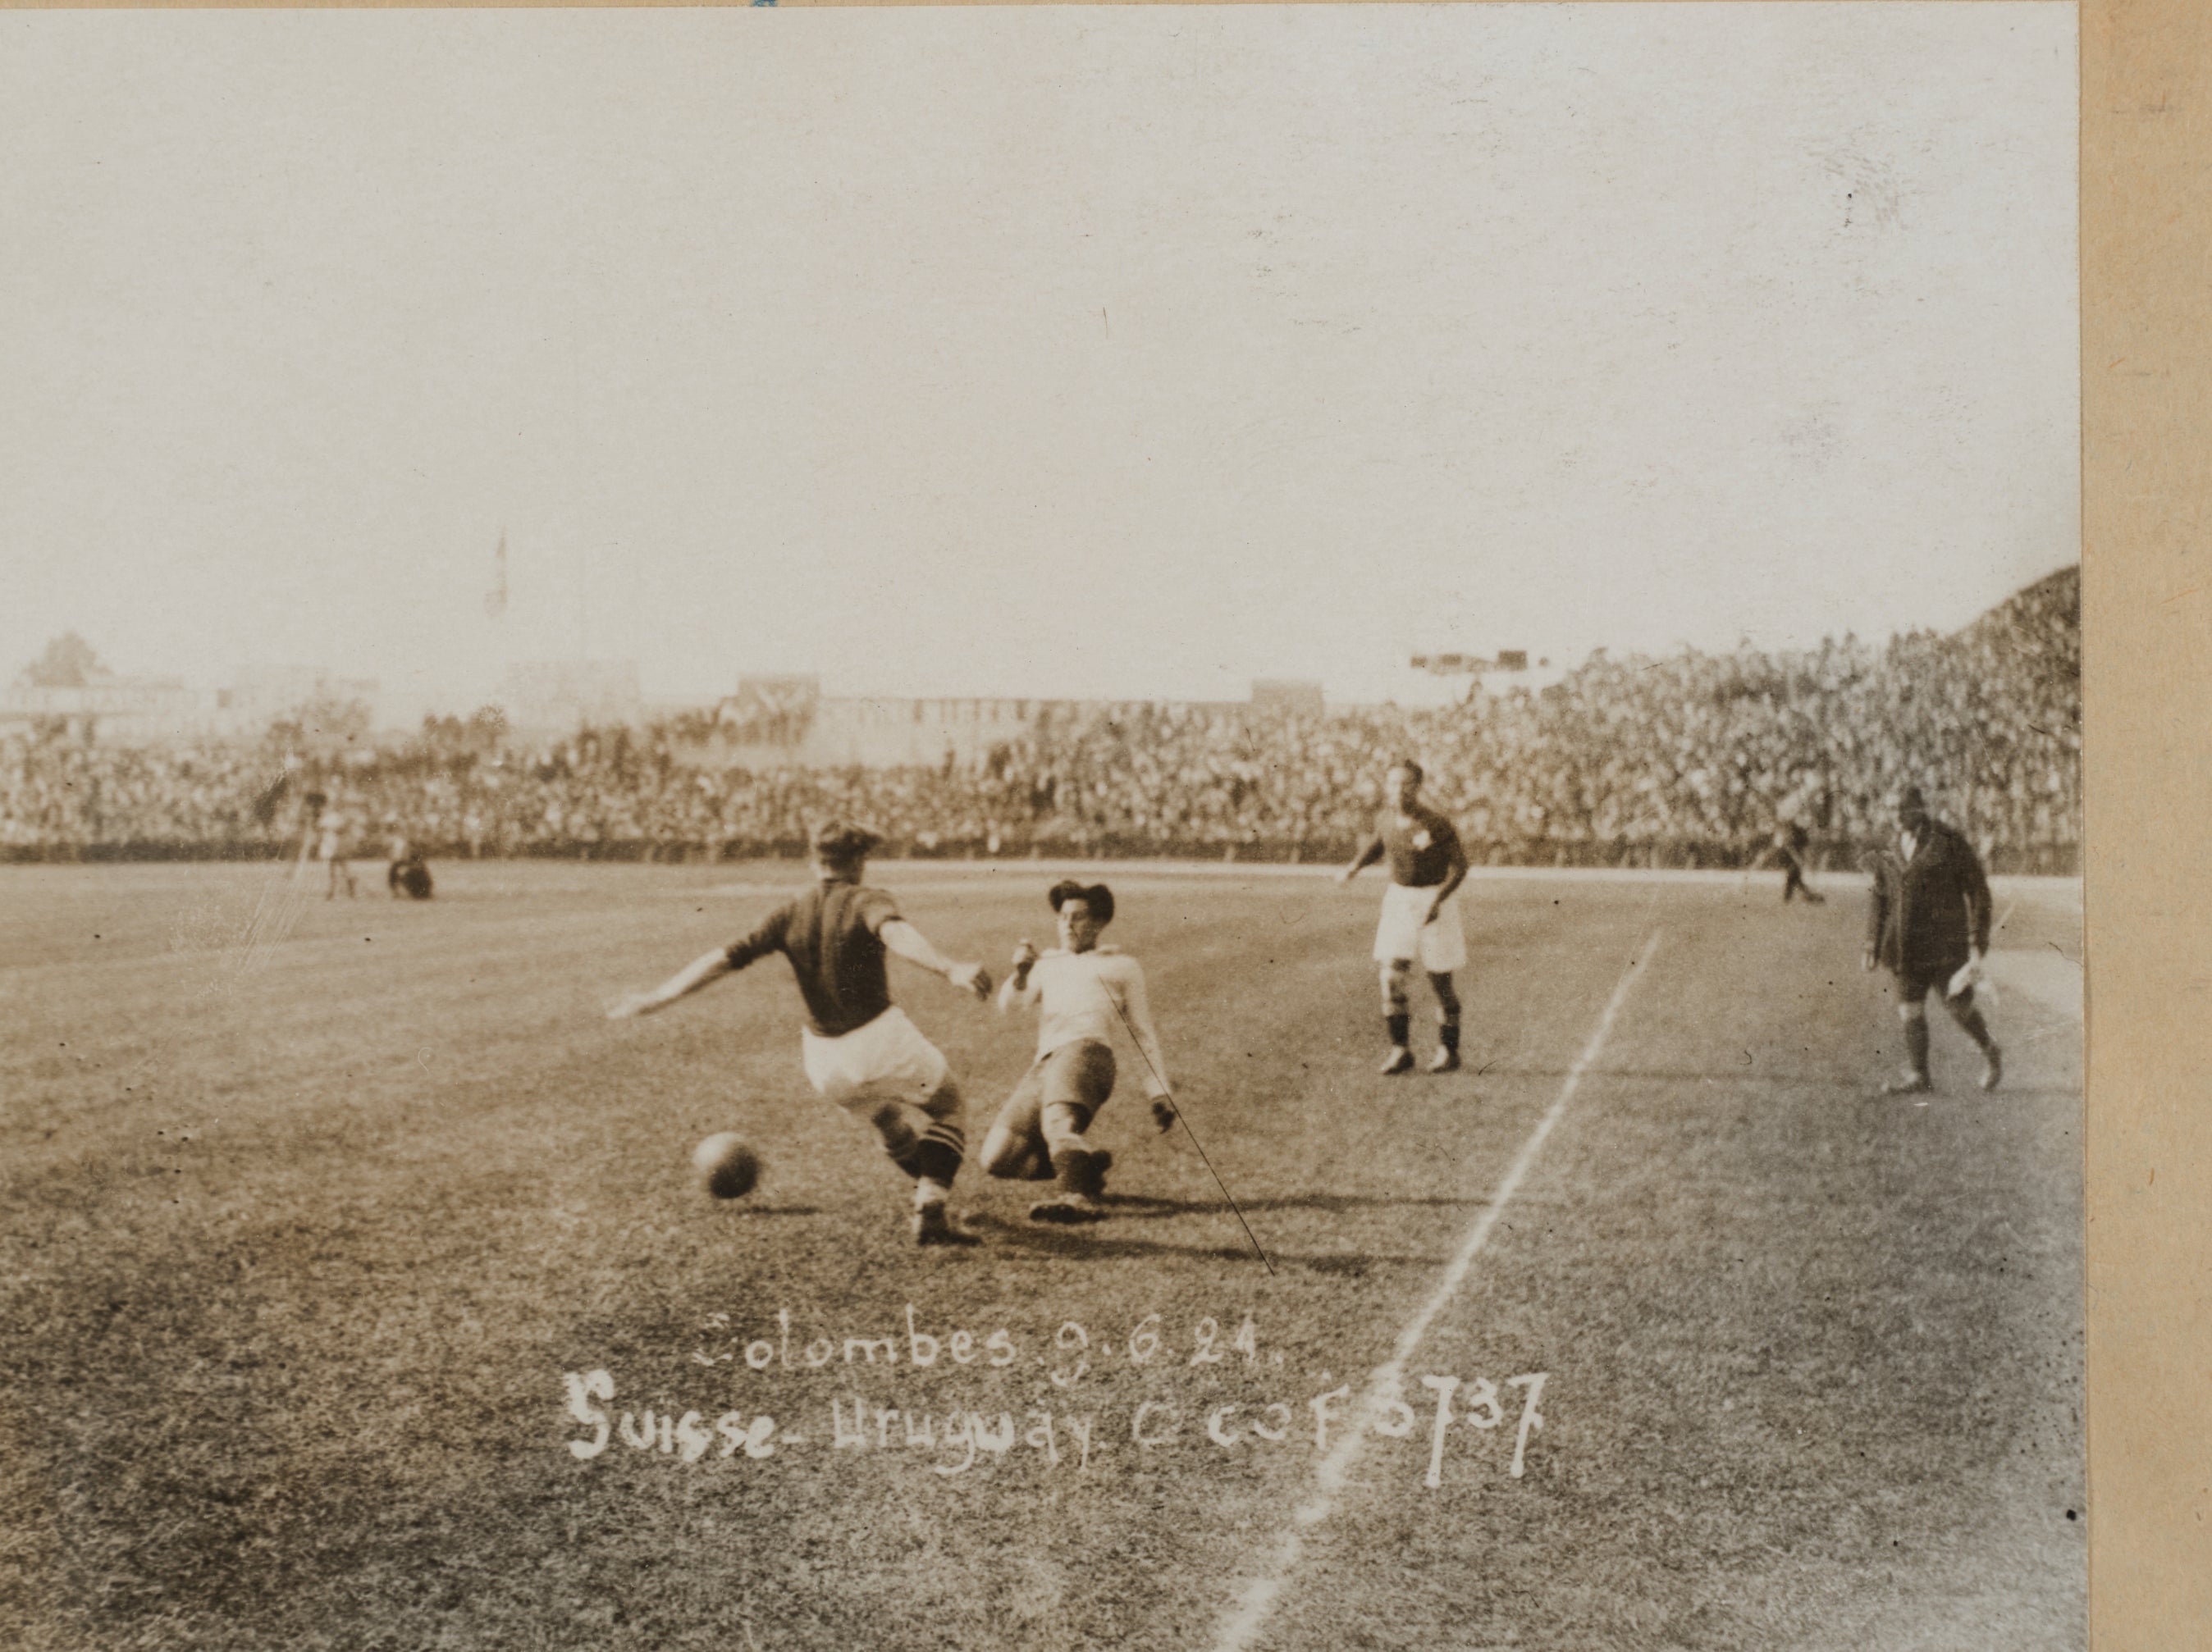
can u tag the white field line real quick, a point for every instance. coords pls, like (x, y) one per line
(1257, 1598)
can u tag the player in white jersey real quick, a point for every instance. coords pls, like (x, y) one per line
(333, 830)
(1082, 991)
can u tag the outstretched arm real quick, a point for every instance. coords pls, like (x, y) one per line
(1137, 1010)
(701, 971)
(910, 943)
(706, 970)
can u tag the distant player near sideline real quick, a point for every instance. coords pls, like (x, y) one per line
(1419, 916)
(1082, 991)
(332, 828)
(860, 1049)
(1929, 926)
(408, 874)
(312, 805)
(1791, 840)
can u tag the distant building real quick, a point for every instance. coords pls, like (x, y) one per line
(774, 722)
(556, 696)
(133, 711)
(156, 711)
(1499, 672)
(261, 694)
(771, 711)
(785, 726)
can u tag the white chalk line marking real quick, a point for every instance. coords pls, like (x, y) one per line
(1256, 1600)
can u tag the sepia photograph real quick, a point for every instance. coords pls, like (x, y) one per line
(1202, 827)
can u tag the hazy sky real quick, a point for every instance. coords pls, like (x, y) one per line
(1047, 351)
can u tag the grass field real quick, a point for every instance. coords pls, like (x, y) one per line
(319, 1216)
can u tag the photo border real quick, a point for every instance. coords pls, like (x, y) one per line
(2145, 244)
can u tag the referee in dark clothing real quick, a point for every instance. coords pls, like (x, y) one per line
(1929, 927)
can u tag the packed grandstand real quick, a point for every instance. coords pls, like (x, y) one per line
(1688, 760)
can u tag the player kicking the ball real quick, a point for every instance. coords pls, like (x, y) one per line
(861, 1051)
(1419, 916)
(1081, 991)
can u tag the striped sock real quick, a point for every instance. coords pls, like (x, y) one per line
(937, 1157)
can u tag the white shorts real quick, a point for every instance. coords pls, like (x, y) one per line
(1402, 938)
(886, 1060)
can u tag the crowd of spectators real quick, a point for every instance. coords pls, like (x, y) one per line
(1692, 759)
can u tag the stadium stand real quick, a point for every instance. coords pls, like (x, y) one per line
(1683, 761)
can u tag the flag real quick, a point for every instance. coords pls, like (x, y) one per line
(496, 598)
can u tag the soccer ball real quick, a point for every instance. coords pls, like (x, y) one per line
(729, 1168)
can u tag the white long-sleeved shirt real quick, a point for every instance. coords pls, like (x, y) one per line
(1086, 995)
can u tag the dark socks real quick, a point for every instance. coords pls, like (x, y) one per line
(931, 1161)
(1915, 1044)
(1970, 1021)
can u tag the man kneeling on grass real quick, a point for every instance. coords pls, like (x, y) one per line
(1081, 990)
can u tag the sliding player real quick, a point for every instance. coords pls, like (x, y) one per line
(1419, 916)
(1082, 991)
(860, 1050)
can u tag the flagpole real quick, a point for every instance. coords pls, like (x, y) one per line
(496, 598)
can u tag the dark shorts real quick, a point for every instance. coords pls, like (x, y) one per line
(1913, 987)
(1080, 1074)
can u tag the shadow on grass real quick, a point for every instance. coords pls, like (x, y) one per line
(1726, 1075)
(1871, 1091)
(1098, 1243)
(1144, 1207)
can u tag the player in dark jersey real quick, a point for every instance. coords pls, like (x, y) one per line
(860, 1049)
(1419, 916)
(409, 874)
(1928, 925)
(1787, 851)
